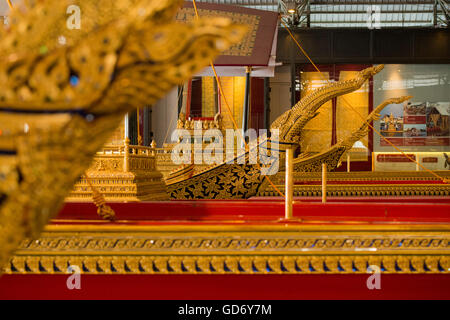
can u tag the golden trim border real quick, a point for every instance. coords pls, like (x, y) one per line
(368, 176)
(364, 190)
(248, 249)
(245, 227)
(361, 189)
(224, 264)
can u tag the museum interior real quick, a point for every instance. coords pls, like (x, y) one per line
(224, 149)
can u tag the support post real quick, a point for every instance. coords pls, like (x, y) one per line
(266, 103)
(153, 146)
(126, 155)
(308, 14)
(289, 184)
(324, 182)
(348, 162)
(246, 109)
(147, 125)
(417, 162)
(445, 12)
(293, 76)
(126, 128)
(126, 142)
(181, 94)
(138, 116)
(373, 162)
(435, 13)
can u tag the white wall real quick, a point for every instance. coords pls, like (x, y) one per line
(280, 95)
(165, 114)
(425, 82)
(4, 8)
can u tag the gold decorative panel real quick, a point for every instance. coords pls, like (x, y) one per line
(347, 120)
(209, 97)
(234, 92)
(316, 135)
(243, 48)
(122, 173)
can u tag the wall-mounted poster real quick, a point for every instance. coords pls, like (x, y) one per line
(416, 124)
(395, 161)
(391, 124)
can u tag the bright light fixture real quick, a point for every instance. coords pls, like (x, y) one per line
(291, 7)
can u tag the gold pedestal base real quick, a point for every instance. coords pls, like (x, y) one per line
(122, 173)
(126, 186)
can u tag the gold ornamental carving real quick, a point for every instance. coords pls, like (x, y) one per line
(237, 249)
(122, 173)
(308, 184)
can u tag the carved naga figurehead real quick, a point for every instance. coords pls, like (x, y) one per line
(65, 90)
(291, 123)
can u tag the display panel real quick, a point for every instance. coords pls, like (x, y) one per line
(418, 125)
(396, 161)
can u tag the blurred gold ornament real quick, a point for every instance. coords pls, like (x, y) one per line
(103, 210)
(69, 72)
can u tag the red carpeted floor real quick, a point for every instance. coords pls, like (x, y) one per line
(255, 211)
(259, 210)
(228, 287)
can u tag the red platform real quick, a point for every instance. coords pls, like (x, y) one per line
(363, 211)
(262, 210)
(228, 287)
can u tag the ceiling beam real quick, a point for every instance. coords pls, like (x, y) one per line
(373, 2)
(364, 22)
(364, 12)
(444, 6)
(320, 2)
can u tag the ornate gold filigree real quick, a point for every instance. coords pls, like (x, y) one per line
(235, 264)
(364, 190)
(308, 184)
(103, 210)
(366, 176)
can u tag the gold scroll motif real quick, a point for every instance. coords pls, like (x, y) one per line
(128, 53)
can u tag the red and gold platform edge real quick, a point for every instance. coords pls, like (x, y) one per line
(236, 249)
(242, 237)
